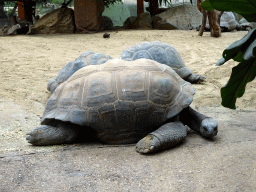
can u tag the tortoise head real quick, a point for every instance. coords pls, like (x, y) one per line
(209, 127)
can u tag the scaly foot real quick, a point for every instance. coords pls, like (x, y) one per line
(167, 136)
(49, 135)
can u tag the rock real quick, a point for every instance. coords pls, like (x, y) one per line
(58, 21)
(129, 22)
(107, 23)
(143, 21)
(183, 17)
(158, 23)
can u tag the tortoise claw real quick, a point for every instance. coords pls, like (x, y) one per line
(148, 144)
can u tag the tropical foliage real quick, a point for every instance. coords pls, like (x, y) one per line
(243, 51)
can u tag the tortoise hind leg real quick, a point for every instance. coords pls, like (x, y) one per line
(50, 135)
(167, 136)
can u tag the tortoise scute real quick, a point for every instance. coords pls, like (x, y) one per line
(101, 89)
(62, 74)
(84, 72)
(96, 56)
(129, 122)
(127, 55)
(85, 54)
(163, 88)
(142, 54)
(158, 54)
(131, 85)
(174, 57)
(183, 100)
(103, 60)
(76, 65)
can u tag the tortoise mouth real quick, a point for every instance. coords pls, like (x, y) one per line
(208, 131)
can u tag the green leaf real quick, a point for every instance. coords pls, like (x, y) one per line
(206, 5)
(239, 50)
(243, 73)
(251, 51)
(246, 8)
(239, 57)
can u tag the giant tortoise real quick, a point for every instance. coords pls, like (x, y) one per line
(164, 54)
(124, 102)
(85, 59)
(245, 25)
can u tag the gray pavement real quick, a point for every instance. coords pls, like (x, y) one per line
(227, 163)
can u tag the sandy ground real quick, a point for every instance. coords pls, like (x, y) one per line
(29, 62)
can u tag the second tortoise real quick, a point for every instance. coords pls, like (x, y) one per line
(85, 59)
(164, 54)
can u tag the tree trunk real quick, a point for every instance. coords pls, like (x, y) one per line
(153, 7)
(201, 31)
(25, 10)
(88, 15)
(219, 13)
(213, 22)
(140, 7)
(213, 18)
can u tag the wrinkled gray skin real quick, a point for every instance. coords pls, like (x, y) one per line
(164, 54)
(85, 59)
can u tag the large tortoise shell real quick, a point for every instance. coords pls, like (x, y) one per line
(160, 52)
(121, 100)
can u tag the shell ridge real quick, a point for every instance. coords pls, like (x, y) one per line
(83, 91)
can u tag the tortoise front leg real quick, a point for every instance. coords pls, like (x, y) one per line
(206, 126)
(194, 78)
(50, 135)
(167, 136)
